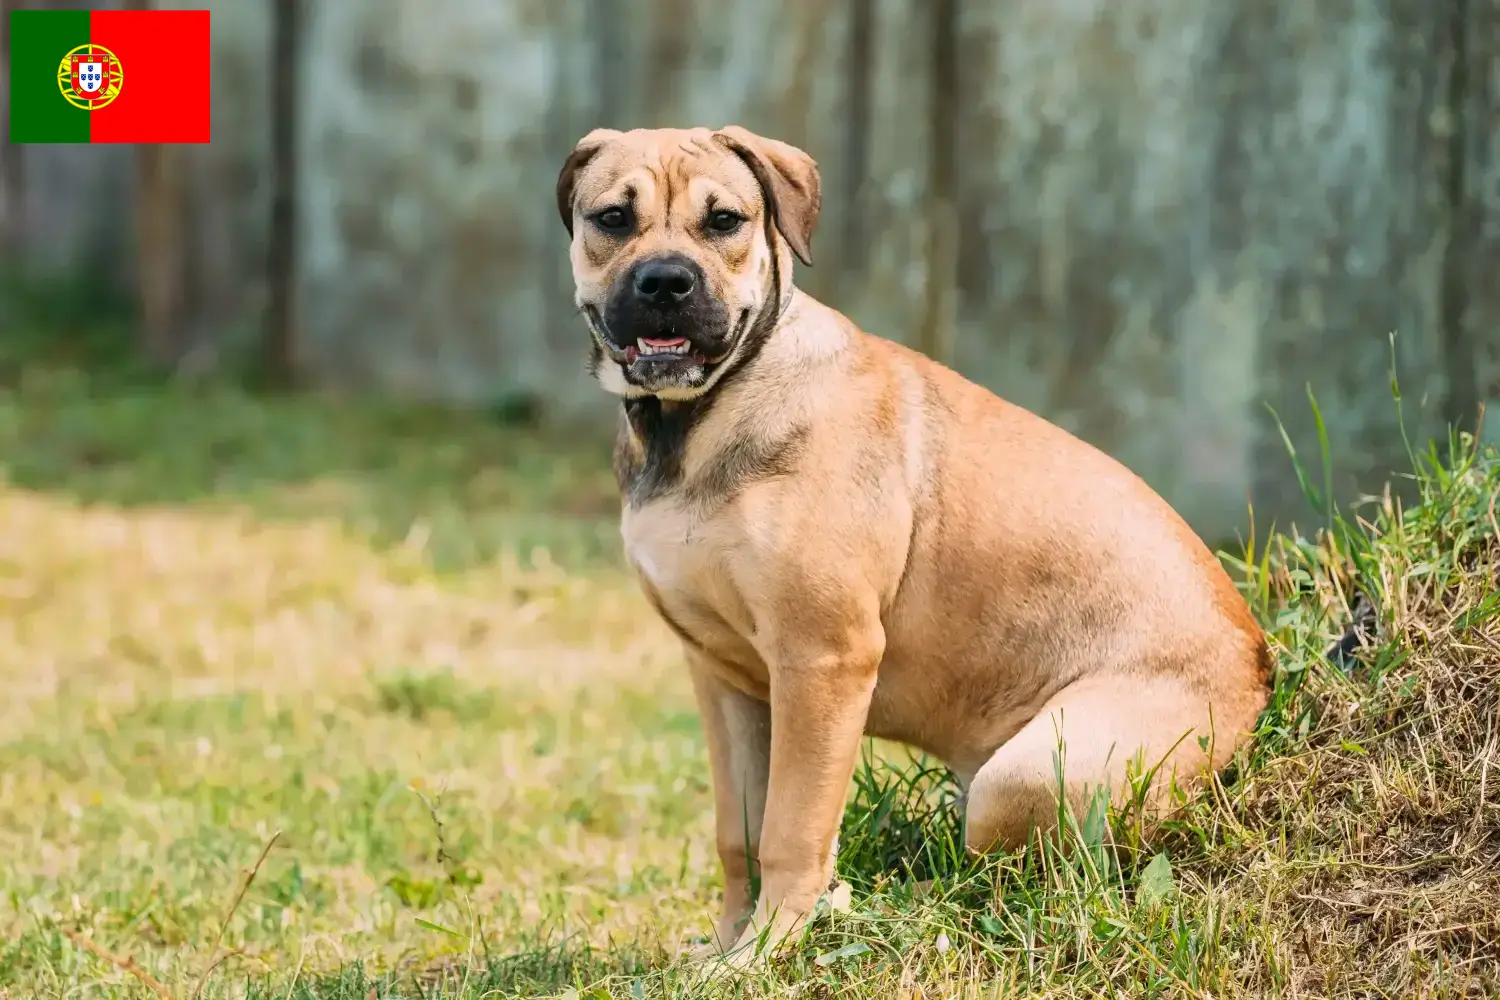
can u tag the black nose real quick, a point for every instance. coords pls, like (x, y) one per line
(663, 282)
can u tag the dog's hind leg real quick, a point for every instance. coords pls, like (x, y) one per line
(1110, 728)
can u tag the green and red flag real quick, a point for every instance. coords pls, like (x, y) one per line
(109, 76)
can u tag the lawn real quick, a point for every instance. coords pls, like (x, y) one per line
(387, 660)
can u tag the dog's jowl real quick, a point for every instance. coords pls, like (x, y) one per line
(850, 539)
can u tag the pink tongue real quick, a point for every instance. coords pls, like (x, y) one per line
(673, 342)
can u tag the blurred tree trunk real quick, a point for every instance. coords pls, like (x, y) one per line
(608, 20)
(937, 334)
(161, 257)
(159, 228)
(279, 344)
(1460, 354)
(861, 95)
(12, 167)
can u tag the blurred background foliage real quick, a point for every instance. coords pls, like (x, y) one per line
(1147, 221)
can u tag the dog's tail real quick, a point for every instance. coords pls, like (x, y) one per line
(1361, 631)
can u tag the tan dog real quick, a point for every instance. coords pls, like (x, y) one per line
(850, 539)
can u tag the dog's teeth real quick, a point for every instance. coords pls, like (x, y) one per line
(682, 347)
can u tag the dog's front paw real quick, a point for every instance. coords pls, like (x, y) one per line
(696, 950)
(764, 936)
(727, 930)
(705, 962)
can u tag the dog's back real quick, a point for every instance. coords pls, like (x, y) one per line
(1035, 560)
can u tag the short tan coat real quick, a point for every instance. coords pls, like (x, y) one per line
(852, 540)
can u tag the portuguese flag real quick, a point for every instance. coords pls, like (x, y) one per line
(109, 76)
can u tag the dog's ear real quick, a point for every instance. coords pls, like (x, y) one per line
(788, 178)
(567, 179)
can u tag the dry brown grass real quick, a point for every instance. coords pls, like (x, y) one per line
(1390, 883)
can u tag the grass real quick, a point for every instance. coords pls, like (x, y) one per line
(393, 650)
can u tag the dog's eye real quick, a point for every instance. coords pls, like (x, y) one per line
(613, 219)
(724, 221)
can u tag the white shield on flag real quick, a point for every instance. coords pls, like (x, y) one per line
(93, 75)
(90, 77)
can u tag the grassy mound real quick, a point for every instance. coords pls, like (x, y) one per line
(228, 623)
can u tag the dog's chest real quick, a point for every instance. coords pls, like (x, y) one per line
(685, 567)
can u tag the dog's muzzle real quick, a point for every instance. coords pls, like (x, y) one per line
(663, 326)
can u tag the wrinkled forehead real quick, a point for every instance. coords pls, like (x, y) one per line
(667, 167)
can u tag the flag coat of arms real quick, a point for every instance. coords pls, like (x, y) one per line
(109, 76)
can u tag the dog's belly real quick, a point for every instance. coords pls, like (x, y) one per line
(951, 698)
(959, 716)
(963, 674)
(963, 669)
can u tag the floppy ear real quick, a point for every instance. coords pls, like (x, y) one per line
(788, 179)
(567, 179)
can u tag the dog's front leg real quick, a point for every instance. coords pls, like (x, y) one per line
(820, 698)
(738, 732)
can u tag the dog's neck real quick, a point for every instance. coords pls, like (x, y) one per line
(652, 444)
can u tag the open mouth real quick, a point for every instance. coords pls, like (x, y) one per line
(662, 349)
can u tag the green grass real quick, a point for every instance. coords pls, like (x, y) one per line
(401, 640)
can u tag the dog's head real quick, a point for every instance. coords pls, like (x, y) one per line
(681, 247)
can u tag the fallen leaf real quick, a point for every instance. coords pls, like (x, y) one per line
(1156, 882)
(847, 951)
(841, 897)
